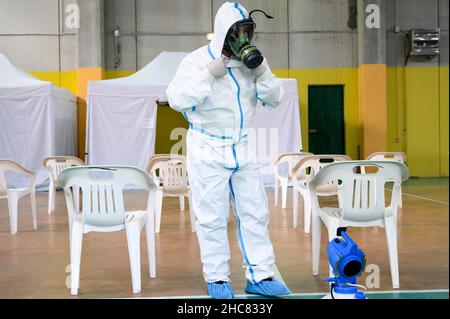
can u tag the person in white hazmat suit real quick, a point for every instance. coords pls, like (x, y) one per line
(216, 87)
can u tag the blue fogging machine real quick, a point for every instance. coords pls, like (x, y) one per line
(347, 262)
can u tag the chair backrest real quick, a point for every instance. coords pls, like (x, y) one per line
(363, 190)
(310, 165)
(9, 165)
(102, 191)
(387, 156)
(170, 171)
(56, 164)
(290, 159)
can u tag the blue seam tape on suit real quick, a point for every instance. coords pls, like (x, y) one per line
(210, 52)
(240, 232)
(241, 125)
(236, 5)
(233, 147)
(203, 131)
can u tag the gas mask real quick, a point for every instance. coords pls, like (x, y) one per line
(238, 42)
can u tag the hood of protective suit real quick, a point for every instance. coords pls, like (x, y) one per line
(228, 14)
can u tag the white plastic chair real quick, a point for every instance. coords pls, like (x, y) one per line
(13, 195)
(55, 164)
(289, 160)
(103, 210)
(168, 171)
(363, 193)
(390, 156)
(302, 173)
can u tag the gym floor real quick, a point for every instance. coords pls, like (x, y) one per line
(35, 263)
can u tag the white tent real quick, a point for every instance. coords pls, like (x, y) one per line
(278, 130)
(37, 119)
(121, 117)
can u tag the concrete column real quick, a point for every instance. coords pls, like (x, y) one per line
(90, 58)
(372, 72)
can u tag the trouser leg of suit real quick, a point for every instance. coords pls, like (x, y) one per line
(208, 180)
(249, 202)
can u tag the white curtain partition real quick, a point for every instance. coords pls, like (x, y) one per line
(278, 130)
(121, 130)
(37, 119)
(121, 119)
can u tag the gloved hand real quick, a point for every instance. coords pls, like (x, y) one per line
(217, 68)
(259, 70)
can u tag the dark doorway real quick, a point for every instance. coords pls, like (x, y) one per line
(326, 119)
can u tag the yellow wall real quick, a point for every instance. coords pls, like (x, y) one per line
(107, 75)
(418, 103)
(395, 110)
(65, 79)
(372, 100)
(444, 118)
(417, 100)
(348, 77)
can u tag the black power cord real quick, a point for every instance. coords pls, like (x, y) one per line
(257, 10)
(331, 291)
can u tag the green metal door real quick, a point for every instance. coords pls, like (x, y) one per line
(326, 119)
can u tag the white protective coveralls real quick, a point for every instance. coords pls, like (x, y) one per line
(221, 158)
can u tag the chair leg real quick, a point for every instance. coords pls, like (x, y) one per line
(75, 256)
(134, 252)
(76, 198)
(150, 235)
(391, 236)
(51, 196)
(307, 212)
(284, 188)
(192, 213)
(33, 208)
(158, 209)
(275, 189)
(54, 201)
(316, 234)
(13, 202)
(70, 233)
(181, 199)
(400, 197)
(295, 207)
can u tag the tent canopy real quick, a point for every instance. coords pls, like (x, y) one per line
(151, 80)
(121, 116)
(16, 83)
(37, 119)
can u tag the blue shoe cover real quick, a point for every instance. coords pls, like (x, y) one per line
(220, 290)
(270, 288)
